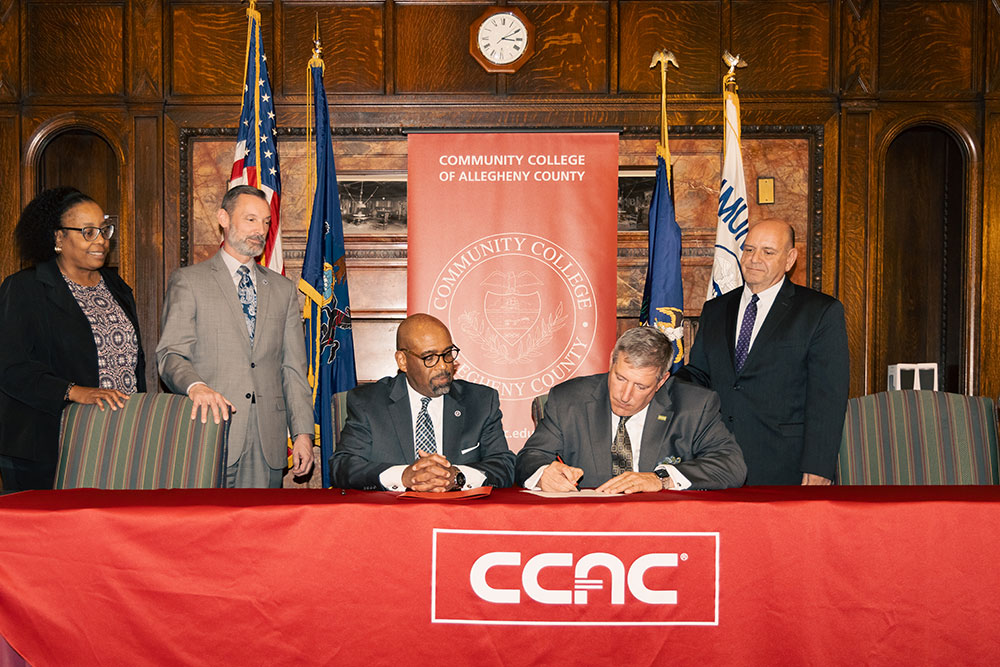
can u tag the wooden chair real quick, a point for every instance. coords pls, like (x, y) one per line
(151, 443)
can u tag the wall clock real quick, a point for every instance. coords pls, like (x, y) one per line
(502, 39)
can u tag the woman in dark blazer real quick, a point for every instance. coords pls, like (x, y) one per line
(68, 333)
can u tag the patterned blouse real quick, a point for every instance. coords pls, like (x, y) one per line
(117, 344)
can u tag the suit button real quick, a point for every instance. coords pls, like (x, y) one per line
(253, 365)
(248, 395)
(736, 387)
(729, 419)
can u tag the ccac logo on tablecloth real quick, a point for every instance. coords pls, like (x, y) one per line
(574, 578)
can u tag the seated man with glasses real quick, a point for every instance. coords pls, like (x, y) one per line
(422, 429)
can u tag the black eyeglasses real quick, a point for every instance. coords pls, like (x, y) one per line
(431, 359)
(90, 233)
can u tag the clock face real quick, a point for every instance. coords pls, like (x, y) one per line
(502, 38)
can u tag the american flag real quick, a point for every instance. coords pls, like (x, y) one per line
(256, 159)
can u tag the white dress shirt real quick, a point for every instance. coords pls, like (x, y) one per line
(765, 299)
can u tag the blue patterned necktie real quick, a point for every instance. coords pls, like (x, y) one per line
(424, 437)
(746, 331)
(248, 299)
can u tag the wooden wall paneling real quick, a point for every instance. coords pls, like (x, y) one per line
(855, 240)
(431, 50)
(989, 304)
(790, 46)
(571, 49)
(145, 52)
(691, 29)
(859, 49)
(147, 196)
(10, 51)
(991, 49)
(926, 48)
(353, 39)
(87, 36)
(207, 50)
(10, 201)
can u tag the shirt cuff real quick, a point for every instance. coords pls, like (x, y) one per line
(188, 390)
(473, 478)
(391, 478)
(680, 481)
(532, 482)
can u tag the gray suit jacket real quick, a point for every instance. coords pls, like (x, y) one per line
(378, 433)
(204, 338)
(682, 421)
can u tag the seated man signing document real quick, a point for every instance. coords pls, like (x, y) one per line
(631, 429)
(422, 429)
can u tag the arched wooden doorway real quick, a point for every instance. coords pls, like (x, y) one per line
(923, 274)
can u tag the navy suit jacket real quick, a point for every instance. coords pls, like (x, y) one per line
(45, 343)
(682, 422)
(786, 405)
(378, 433)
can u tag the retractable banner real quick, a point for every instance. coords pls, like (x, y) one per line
(512, 243)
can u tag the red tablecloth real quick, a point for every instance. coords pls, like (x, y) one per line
(785, 576)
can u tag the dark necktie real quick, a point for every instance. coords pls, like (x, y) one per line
(621, 450)
(248, 299)
(424, 436)
(746, 331)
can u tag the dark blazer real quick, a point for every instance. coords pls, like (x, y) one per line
(786, 405)
(45, 343)
(682, 422)
(378, 433)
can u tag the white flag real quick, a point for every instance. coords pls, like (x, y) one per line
(733, 214)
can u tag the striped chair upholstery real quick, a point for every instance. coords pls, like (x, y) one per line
(538, 408)
(339, 414)
(151, 443)
(919, 437)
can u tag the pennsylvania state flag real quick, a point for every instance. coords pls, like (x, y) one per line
(327, 311)
(663, 296)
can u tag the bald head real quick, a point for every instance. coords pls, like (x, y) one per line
(417, 325)
(419, 337)
(768, 254)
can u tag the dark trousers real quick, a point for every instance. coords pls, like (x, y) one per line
(22, 475)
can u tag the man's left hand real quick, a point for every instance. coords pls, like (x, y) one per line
(302, 454)
(631, 482)
(809, 479)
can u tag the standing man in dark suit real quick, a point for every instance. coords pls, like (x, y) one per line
(422, 429)
(777, 355)
(631, 429)
(232, 341)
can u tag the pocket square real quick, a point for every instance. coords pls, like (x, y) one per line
(466, 451)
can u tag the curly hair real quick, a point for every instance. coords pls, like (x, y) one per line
(36, 228)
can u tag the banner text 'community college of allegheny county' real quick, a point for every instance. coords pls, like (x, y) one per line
(512, 243)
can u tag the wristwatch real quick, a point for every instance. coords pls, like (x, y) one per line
(664, 476)
(459, 482)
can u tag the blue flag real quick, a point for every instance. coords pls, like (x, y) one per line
(663, 295)
(327, 311)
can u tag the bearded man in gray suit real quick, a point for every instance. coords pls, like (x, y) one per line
(232, 341)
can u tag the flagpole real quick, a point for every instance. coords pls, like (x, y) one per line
(663, 58)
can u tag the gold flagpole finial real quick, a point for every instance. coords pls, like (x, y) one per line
(733, 62)
(317, 54)
(663, 58)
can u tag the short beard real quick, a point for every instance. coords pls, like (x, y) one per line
(441, 390)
